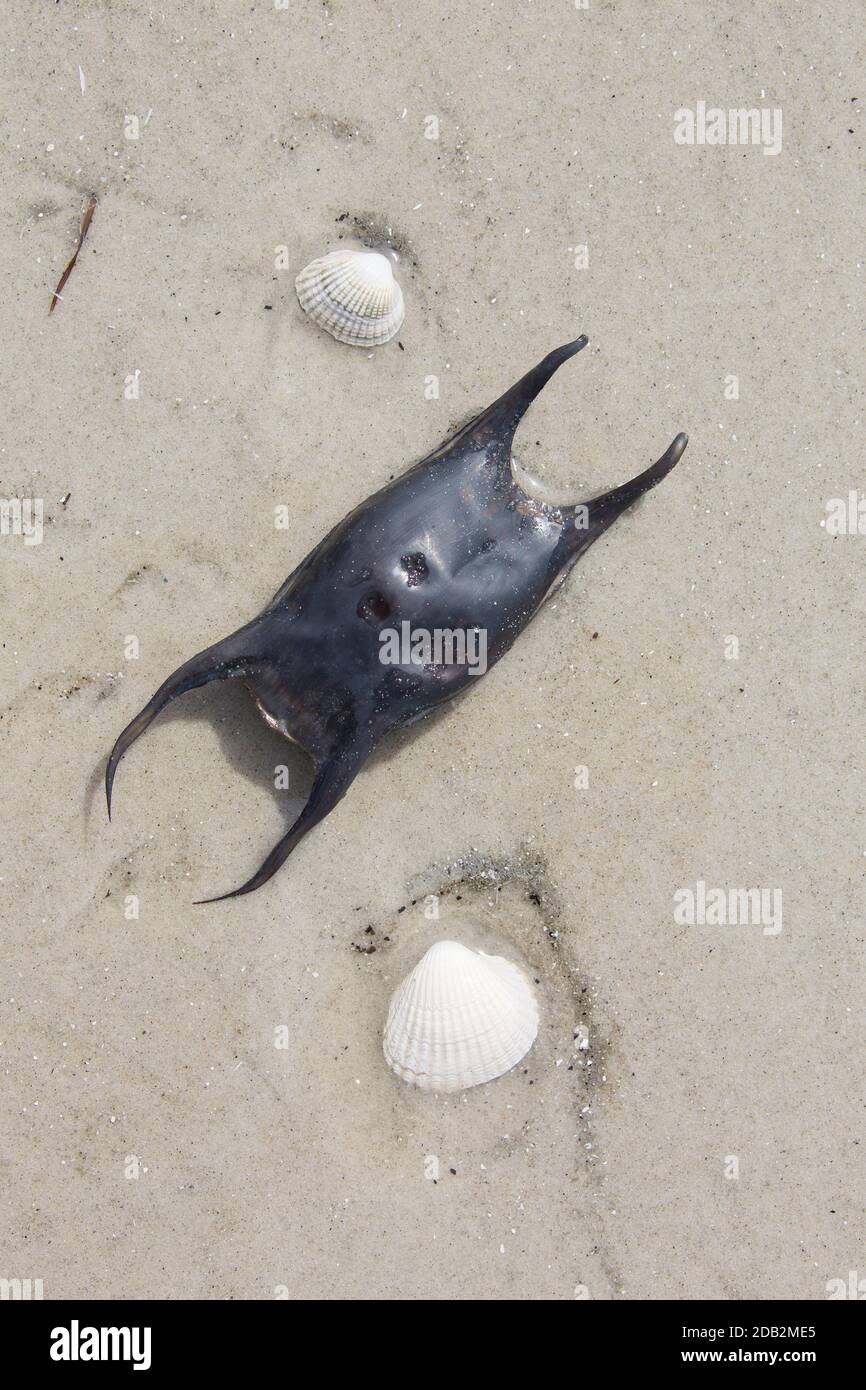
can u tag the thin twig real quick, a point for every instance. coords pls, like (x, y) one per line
(71, 266)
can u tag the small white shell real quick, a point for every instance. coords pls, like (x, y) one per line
(459, 1019)
(352, 295)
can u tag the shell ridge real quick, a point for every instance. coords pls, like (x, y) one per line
(352, 295)
(460, 1018)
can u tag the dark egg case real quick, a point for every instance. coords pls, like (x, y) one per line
(453, 544)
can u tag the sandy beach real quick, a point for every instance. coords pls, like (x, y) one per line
(193, 1099)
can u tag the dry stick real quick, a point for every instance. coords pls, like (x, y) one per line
(71, 266)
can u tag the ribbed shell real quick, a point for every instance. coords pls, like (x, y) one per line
(459, 1019)
(352, 295)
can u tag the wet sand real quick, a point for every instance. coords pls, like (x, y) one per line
(155, 1141)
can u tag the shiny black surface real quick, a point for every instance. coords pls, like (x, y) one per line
(453, 544)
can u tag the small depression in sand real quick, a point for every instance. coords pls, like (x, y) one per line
(470, 1175)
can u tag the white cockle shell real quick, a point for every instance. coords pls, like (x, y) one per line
(352, 295)
(458, 1019)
